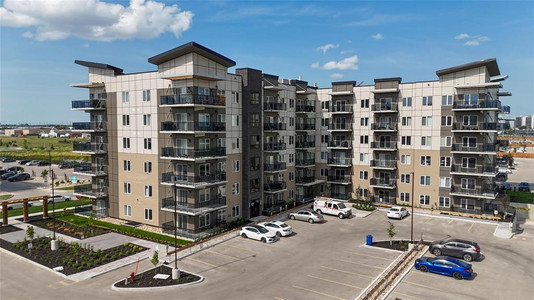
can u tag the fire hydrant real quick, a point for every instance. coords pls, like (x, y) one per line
(132, 277)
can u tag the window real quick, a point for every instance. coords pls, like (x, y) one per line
(148, 191)
(445, 182)
(235, 211)
(426, 160)
(445, 161)
(363, 192)
(254, 185)
(148, 167)
(426, 141)
(204, 220)
(365, 103)
(364, 157)
(127, 165)
(127, 210)
(444, 202)
(406, 140)
(255, 163)
(467, 204)
(291, 140)
(446, 141)
(425, 180)
(291, 157)
(446, 100)
(148, 143)
(364, 175)
(405, 197)
(236, 166)
(235, 97)
(407, 101)
(470, 120)
(364, 122)
(446, 120)
(148, 214)
(127, 188)
(146, 120)
(469, 162)
(291, 194)
(291, 121)
(426, 121)
(255, 142)
(470, 142)
(125, 97)
(291, 176)
(427, 100)
(235, 188)
(254, 120)
(204, 195)
(235, 120)
(424, 199)
(255, 98)
(364, 139)
(406, 159)
(405, 178)
(468, 183)
(406, 121)
(146, 98)
(126, 143)
(125, 120)
(471, 99)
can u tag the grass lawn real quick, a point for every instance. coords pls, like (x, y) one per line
(34, 147)
(521, 197)
(6, 196)
(60, 205)
(127, 230)
(67, 188)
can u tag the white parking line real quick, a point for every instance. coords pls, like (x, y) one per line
(319, 293)
(336, 282)
(348, 272)
(352, 262)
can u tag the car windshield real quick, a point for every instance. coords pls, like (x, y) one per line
(261, 229)
(341, 205)
(394, 209)
(461, 263)
(431, 259)
(283, 225)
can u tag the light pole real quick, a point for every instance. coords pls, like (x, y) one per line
(53, 243)
(175, 271)
(413, 199)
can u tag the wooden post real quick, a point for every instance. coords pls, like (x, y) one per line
(4, 213)
(45, 207)
(25, 210)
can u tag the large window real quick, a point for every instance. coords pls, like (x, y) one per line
(406, 121)
(425, 180)
(255, 98)
(468, 204)
(427, 100)
(235, 211)
(125, 120)
(445, 182)
(364, 175)
(446, 100)
(468, 183)
(426, 121)
(407, 101)
(147, 119)
(424, 199)
(204, 195)
(147, 143)
(445, 161)
(446, 120)
(125, 97)
(406, 159)
(469, 142)
(146, 98)
(126, 143)
(204, 220)
(127, 166)
(148, 191)
(148, 167)
(148, 214)
(405, 178)
(426, 141)
(470, 120)
(405, 197)
(406, 140)
(426, 160)
(127, 210)
(446, 141)
(444, 202)
(127, 188)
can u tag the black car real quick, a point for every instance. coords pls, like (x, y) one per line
(82, 168)
(2, 172)
(463, 249)
(23, 162)
(7, 159)
(19, 177)
(43, 163)
(7, 175)
(14, 169)
(66, 165)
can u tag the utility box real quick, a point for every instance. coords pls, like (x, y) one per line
(369, 240)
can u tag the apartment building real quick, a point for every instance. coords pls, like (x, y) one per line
(214, 146)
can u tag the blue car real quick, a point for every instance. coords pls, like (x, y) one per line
(445, 265)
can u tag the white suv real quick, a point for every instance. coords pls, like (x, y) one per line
(336, 208)
(397, 212)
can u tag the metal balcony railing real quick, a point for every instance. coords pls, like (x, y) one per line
(305, 144)
(198, 180)
(340, 126)
(196, 208)
(275, 167)
(340, 144)
(305, 162)
(304, 179)
(189, 153)
(340, 109)
(341, 196)
(479, 105)
(89, 147)
(305, 126)
(484, 190)
(88, 104)
(391, 183)
(340, 161)
(505, 109)
(389, 164)
(477, 169)
(193, 126)
(274, 126)
(339, 178)
(474, 147)
(305, 107)
(275, 106)
(88, 190)
(384, 145)
(219, 100)
(384, 126)
(90, 126)
(384, 108)
(274, 186)
(478, 126)
(94, 171)
(383, 199)
(278, 146)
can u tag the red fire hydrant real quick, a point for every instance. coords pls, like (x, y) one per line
(132, 277)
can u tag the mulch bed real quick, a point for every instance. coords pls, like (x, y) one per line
(146, 279)
(8, 229)
(68, 229)
(66, 256)
(396, 245)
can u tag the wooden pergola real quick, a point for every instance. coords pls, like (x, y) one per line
(25, 207)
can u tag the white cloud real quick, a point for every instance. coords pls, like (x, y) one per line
(85, 45)
(377, 36)
(472, 43)
(315, 66)
(94, 19)
(346, 51)
(473, 40)
(336, 75)
(348, 63)
(462, 36)
(325, 48)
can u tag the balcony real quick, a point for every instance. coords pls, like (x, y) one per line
(305, 107)
(89, 126)
(384, 126)
(386, 146)
(274, 167)
(476, 127)
(505, 109)
(89, 148)
(88, 104)
(484, 191)
(384, 164)
(90, 192)
(304, 179)
(274, 106)
(340, 179)
(305, 162)
(94, 171)
(483, 105)
(192, 126)
(384, 108)
(305, 144)
(475, 148)
(343, 162)
(278, 146)
(193, 208)
(192, 99)
(305, 126)
(274, 126)
(305, 198)
(383, 199)
(384, 183)
(193, 181)
(341, 196)
(180, 153)
(340, 126)
(340, 109)
(343, 144)
(477, 170)
(274, 187)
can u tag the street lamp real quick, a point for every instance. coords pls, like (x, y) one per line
(53, 243)
(175, 271)
(413, 199)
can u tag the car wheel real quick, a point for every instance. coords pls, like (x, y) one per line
(244, 235)
(468, 257)
(457, 276)
(263, 240)
(436, 252)
(278, 234)
(67, 199)
(319, 211)
(310, 221)
(341, 216)
(292, 217)
(423, 269)
(10, 208)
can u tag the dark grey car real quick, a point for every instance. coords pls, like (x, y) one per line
(463, 249)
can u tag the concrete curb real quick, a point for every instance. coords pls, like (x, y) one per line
(377, 277)
(402, 277)
(385, 249)
(135, 289)
(37, 264)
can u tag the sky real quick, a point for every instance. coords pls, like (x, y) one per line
(322, 41)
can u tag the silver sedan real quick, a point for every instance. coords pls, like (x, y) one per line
(306, 215)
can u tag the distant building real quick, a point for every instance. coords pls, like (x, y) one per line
(26, 131)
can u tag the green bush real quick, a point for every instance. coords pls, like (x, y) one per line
(365, 207)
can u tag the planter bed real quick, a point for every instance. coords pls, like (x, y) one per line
(395, 245)
(65, 256)
(68, 229)
(146, 279)
(8, 229)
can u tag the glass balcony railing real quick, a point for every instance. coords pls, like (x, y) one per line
(384, 126)
(304, 179)
(218, 100)
(340, 126)
(198, 180)
(304, 126)
(274, 186)
(340, 109)
(93, 171)
(275, 106)
(340, 161)
(339, 178)
(90, 191)
(484, 104)
(384, 108)
(192, 153)
(474, 147)
(274, 126)
(278, 146)
(305, 144)
(340, 144)
(342, 196)
(384, 145)
(387, 183)
(89, 126)
(89, 104)
(89, 147)
(483, 191)
(305, 162)
(275, 166)
(477, 126)
(197, 207)
(305, 107)
(476, 169)
(193, 126)
(388, 164)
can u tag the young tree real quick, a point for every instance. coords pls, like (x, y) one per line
(155, 259)
(30, 233)
(391, 232)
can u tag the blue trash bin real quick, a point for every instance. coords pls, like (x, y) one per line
(369, 240)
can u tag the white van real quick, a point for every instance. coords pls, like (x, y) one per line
(336, 208)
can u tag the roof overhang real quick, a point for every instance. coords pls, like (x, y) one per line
(88, 85)
(395, 79)
(341, 93)
(385, 91)
(188, 48)
(481, 85)
(499, 78)
(184, 76)
(490, 64)
(504, 94)
(90, 64)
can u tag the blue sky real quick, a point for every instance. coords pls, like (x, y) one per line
(323, 41)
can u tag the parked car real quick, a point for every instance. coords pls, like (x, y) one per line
(258, 233)
(277, 227)
(43, 163)
(67, 165)
(23, 162)
(306, 215)
(82, 168)
(7, 175)
(15, 206)
(397, 212)
(15, 169)
(466, 250)
(336, 208)
(57, 198)
(506, 186)
(19, 177)
(32, 163)
(523, 186)
(7, 159)
(2, 172)
(445, 265)
(501, 176)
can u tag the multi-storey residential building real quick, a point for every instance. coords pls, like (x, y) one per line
(214, 146)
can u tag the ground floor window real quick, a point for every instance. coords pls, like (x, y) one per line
(221, 215)
(424, 199)
(405, 197)
(204, 220)
(148, 214)
(127, 210)
(444, 202)
(467, 204)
